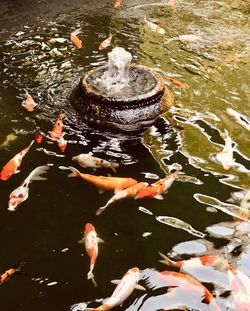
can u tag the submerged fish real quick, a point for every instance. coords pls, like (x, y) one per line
(103, 182)
(62, 143)
(123, 290)
(29, 103)
(91, 240)
(11, 167)
(87, 160)
(129, 192)
(117, 4)
(177, 83)
(21, 193)
(155, 27)
(75, 40)
(6, 275)
(57, 129)
(185, 38)
(104, 44)
(9, 138)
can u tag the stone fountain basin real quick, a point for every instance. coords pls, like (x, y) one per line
(133, 108)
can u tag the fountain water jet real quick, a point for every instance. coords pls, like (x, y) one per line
(121, 96)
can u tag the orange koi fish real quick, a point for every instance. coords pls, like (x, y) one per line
(104, 44)
(129, 192)
(171, 4)
(39, 138)
(122, 291)
(57, 128)
(11, 167)
(155, 27)
(156, 189)
(6, 275)
(173, 278)
(62, 143)
(117, 4)
(75, 40)
(91, 240)
(177, 83)
(21, 193)
(29, 103)
(87, 160)
(103, 182)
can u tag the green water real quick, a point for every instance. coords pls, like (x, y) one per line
(44, 230)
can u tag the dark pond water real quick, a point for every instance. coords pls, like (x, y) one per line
(208, 204)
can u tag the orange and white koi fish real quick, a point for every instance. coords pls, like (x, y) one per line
(103, 182)
(29, 103)
(104, 44)
(6, 275)
(240, 293)
(175, 279)
(213, 261)
(117, 4)
(177, 83)
(225, 157)
(75, 40)
(57, 129)
(122, 291)
(39, 138)
(87, 160)
(62, 143)
(129, 192)
(155, 27)
(91, 240)
(156, 189)
(21, 193)
(12, 166)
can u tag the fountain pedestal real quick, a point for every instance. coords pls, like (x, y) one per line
(103, 101)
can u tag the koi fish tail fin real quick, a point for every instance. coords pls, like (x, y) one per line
(76, 32)
(90, 276)
(113, 167)
(19, 268)
(167, 261)
(100, 210)
(37, 172)
(74, 171)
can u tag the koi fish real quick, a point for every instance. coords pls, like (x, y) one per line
(103, 182)
(129, 192)
(6, 275)
(213, 261)
(225, 157)
(104, 44)
(87, 160)
(177, 83)
(173, 278)
(185, 38)
(91, 240)
(239, 293)
(29, 103)
(57, 128)
(75, 40)
(11, 167)
(122, 291)
(39, 138)
(117, 4)
(155, 27)
(21, 193)
(62, 143)
(9, 138)
(171, 4)
(156, 189)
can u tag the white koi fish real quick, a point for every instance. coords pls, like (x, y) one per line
(155, 27)
(87, 160)
(123, 290)
(21, 193)
(129, 192)
(91, 240)
(62, 143)
(225, 157)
